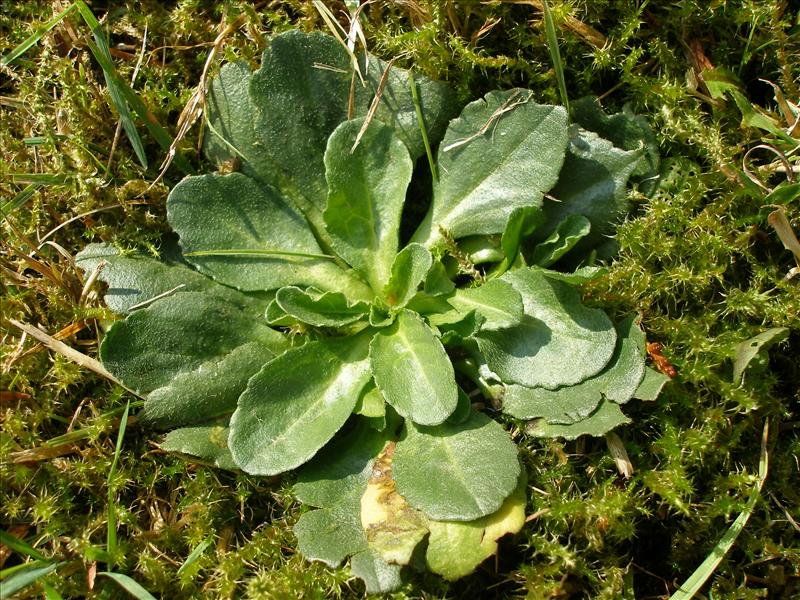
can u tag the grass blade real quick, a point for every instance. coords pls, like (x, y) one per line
(19, 546)
(40, 178)
(697, 579)
(117, 96)
(422, 129)
(154, 127)
(194, 555)
(25, 577)
(129, 585)
(35, 37)
(555, 54)
(111, 534)
(20, 199)
(50, 593)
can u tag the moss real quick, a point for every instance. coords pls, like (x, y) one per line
(698, 261)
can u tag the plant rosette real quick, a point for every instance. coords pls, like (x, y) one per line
(292, 330)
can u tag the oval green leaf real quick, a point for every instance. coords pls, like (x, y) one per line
(559, 341)
(412, 370)
(366, 190)
(243, 234)
(191, 354)
(456, 472)
(501, 153)
(296, 404)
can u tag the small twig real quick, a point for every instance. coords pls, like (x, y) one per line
(785, 512)
(507, 106)
(373, 107)
(75, 218)
(196, 105)
(154, 298)
(70, 353)
(620, 455)
(91, 280)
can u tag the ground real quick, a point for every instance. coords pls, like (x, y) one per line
(699, 260)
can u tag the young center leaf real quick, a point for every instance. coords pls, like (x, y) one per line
(366, 190)
(501, 153)
(409, 269)
(321, 309)
(412, 370)
(296, 403)
(496, 301)
(456, 472)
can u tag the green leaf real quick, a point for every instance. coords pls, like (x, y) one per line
(564, 405)
(593, 184)
(410, 268)
(396, 106)
(129, 585)
(625, 372)
(443, 472)
(496, 301)
(328, 309)
(617, 382)
(555, 54)
(749, 350)
(372, 407)
(330, 535)
(366, 191)
(559, 341)
(344, 465)
(463, 409)
(206, 442)
(301, 94)
(378, 576)
(20, 546)
(296, 403)
(626, 131)
(502, 153)
(521, 223)
(606, 417)
(230, 135)
(135, 280)
(562, 240)
(651, 385)
(456, 548)
(25, 577)
(277, 317)
(103, 55)
(577, 277)
(412, 370)
(191, 354)
(244, 235)
(335, 480)
(437, 281)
